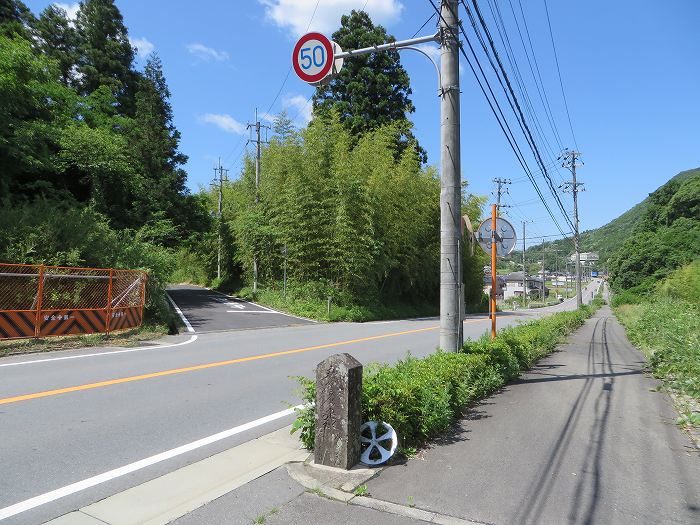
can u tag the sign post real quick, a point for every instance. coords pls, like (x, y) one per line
(496, 236)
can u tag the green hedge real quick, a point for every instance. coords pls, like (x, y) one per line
(421, 397)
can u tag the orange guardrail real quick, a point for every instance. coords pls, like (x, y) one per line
(40, 301)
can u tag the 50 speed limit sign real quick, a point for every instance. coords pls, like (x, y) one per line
(313, 58)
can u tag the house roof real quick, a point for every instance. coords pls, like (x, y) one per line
(518, 277)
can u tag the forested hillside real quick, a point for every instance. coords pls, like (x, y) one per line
(91, 175)
(90, 171)
(607, 240)
(666, 237)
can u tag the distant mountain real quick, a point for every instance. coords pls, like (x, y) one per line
(609, 238)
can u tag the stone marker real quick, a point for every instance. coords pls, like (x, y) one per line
(338, 411)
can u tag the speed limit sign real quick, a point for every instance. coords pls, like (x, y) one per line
(313, 57)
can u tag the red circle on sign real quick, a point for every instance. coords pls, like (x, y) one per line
(329, 57)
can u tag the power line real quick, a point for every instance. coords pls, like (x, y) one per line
(503, 124)
(540, 86)
(519, 113)
(510, 55)
(561, 84)
(424, 24)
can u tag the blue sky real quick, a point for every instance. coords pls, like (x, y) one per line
(629, 70)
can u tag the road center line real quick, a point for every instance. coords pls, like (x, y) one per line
(62, 492)
(129, 379)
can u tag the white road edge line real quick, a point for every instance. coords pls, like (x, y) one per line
(98, 354)
(62, 492)
(261, 306)
(179, 312)
(249, 312)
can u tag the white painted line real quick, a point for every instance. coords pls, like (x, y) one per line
(192, 339)
(179, 312)
(62, 492)
(251, 312)
(263, 307)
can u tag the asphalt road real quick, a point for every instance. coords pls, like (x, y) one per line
(69, 416)
(209, 311)
(582, 438)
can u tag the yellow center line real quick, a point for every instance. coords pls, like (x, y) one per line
(89, 386)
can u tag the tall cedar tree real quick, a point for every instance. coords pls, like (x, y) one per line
(371, 90)
(155, 142)
(58, 40)
(15, 17)
(105, 54)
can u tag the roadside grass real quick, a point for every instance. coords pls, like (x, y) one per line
(665, 324)
(312, 302)
(668, 332)
(420, 398)
(125, 338)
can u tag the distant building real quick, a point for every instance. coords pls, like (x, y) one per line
(514, 286)
(500, 286)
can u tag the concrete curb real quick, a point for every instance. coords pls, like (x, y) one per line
(312, 477)
(166, 498)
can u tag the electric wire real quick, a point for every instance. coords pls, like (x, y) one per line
(561, 83)
(502, 124)
(512, 61)
(512, 100)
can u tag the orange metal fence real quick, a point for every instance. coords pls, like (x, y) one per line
(40, 301)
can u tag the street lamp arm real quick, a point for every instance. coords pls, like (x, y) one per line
(390, 45)
(437, 69)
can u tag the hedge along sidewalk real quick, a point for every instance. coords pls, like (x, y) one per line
(420, 398)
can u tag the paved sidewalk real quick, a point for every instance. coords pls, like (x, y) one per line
(583, 438)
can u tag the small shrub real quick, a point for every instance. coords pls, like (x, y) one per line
(420, 398)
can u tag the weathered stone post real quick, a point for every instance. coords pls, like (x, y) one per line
(338, 411)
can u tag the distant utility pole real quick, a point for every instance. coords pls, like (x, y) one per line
(524, 270)
(257, 126)
(569, 158)
(542, 270)
(500, 190)
(222, 174)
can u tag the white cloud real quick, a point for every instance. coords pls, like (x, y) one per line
(268, 117)
(433, 51)
(143, 46)
(70, 9)
(302, 105)
(225, 122)
(207, 53)
(294, 15)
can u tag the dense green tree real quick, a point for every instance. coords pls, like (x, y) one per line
(15, 18)
(155, 142)
(371, 90)
(33, 108)
(58, 40)
(359, 220)
(667, 236)
(105, 54)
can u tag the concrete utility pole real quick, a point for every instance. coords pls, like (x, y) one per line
(524, 270)
(542, 271)
(499, 190)
(222, 177)
(258, 143)
(569, 161)
(451, 188)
